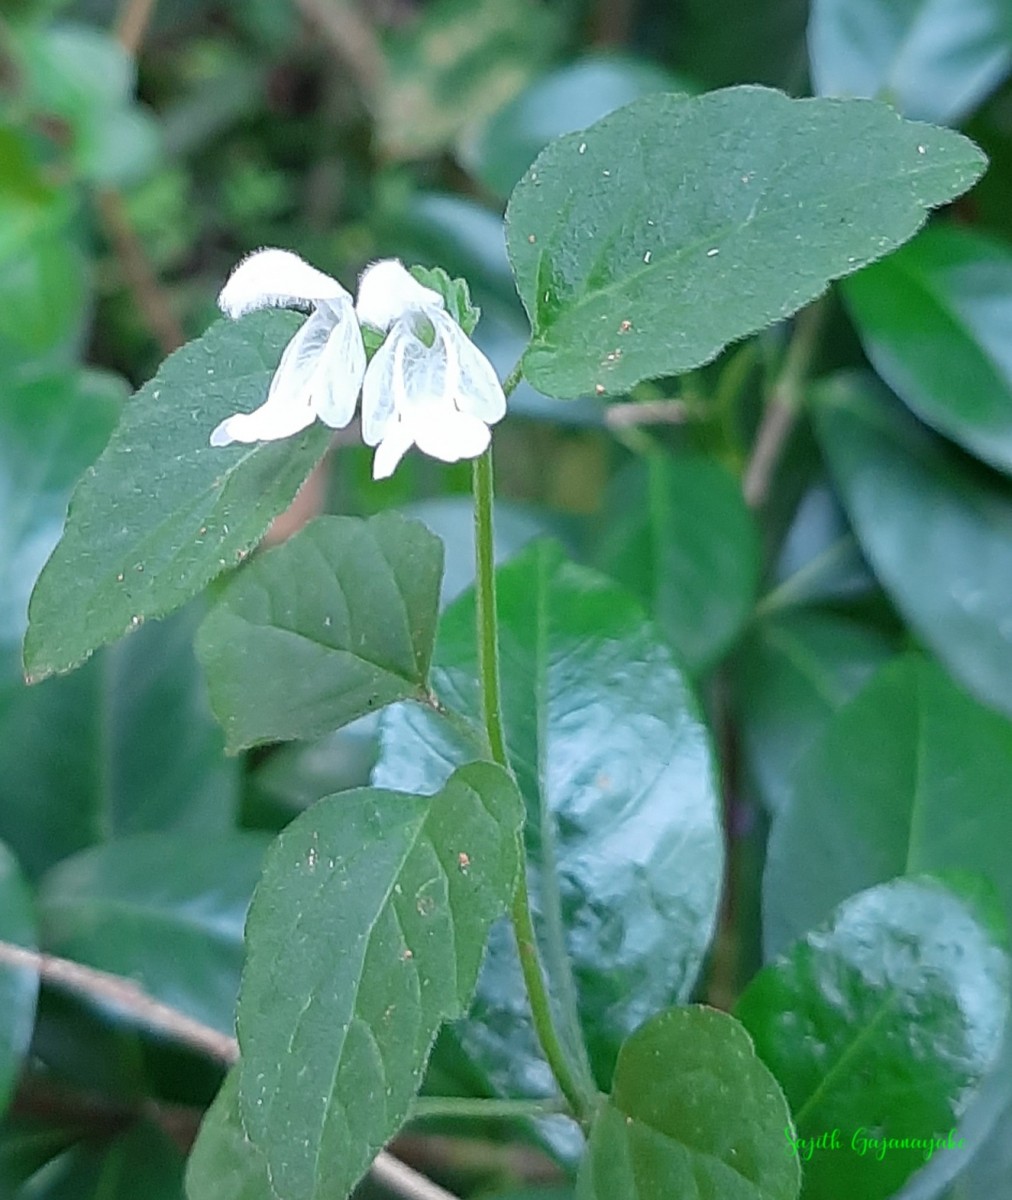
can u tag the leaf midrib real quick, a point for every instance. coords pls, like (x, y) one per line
(584, 298)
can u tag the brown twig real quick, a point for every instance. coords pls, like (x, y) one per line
(351, 37)
(648, 412)
(137, 273)
(132, 23)
(125, 995)
(783, 405)
(130, 998)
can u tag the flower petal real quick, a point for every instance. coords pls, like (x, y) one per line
(478, 390)
(386, 291)
(378, 390)
(395, 444)
(288, 408)
(337, 380)
(274, 279)
(450, 435)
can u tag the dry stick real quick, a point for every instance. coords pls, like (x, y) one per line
(132, 23)
(783, 404)
(131, 998)
(138, 274)
(646, 412)
(350, 36)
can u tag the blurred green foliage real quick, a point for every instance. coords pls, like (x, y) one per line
(843, 611)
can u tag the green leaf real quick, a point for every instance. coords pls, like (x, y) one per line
(455, 63)
(934, 320)
(645, 244)
(693, 1113)
(567, 98)
(937, 530)
(224, 1164)
(85, 78)
(911, 776)
(794, 672)
(681, 538)
(935, 59)
(51, 428)
(164, 909)
(602, 732)
(456, 295)
(163, 512)
(44, 286)
(47, 1163)
(879, 1025)
(125, 745)
(340, 620)
(759, 40)
(365, 934)
(19, 986)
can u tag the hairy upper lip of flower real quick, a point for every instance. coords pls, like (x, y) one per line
(320, 373)
(427, 385)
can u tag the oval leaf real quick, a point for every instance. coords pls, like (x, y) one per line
(935, 59)
(682, 539)
(693, 1113)
(96, 755)
(910, 776)
(51, 429)
(366, 934)
(19, 985)
(794, 671)
(224, 1164)
(936, 321)
(568, 98)
(937, 531)
(645, 244)
(340, 619)
(879, 1026)
(164, 909)
(163, 512)
(607, 744)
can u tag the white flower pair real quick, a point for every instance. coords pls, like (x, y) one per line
(427, 385)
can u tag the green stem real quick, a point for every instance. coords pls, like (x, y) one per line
(581, 1102)
(480, 1108)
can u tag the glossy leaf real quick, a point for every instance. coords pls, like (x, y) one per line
(19, 986)
(164, 909)
(224, 1164)
(51, 428)
(451, 519)
(693, 1112)
(880, 1025)
(936, 321)
(163, 512)
(728, 216)
(910, 776)
(338, 622)
(623, 837)
(568, 98)
(935, 59)
(937, 531)
(794, 672)
(365, 935)
(125, 745)
(680, 537)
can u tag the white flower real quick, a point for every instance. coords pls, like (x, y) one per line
(322, 368)
(428, 384)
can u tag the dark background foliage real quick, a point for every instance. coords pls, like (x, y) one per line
(824, 541)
